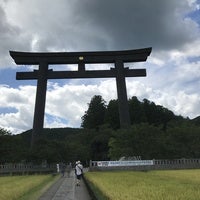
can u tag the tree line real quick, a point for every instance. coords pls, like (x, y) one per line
(155, 133)
(99, 113)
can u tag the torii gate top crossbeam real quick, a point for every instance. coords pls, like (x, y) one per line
(29, 58)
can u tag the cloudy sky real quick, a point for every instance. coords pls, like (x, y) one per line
(170, 27)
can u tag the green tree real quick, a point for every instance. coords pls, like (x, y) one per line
(12, 148)
(137, 113)
(158, 115)
(140, 140)
(94, 116)
(99, 144)
(182, 140)
(112, 115)
(3, 131)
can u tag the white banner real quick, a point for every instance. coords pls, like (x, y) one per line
(124, 163)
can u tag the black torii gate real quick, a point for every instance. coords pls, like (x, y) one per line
(81, 58)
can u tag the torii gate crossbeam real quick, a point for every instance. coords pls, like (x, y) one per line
(81, 58)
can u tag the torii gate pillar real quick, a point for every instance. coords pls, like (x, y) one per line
(40, 100)
(124, 115)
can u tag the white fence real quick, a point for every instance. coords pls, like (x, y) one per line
(20, 168)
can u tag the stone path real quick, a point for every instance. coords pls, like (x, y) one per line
(65, 189)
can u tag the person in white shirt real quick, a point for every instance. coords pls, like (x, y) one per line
(78, 172)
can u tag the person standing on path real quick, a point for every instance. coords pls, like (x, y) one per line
(78, 172)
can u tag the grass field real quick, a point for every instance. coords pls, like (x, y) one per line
(151, 185)
(24, 187)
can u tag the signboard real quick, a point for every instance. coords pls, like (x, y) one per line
(124, 163)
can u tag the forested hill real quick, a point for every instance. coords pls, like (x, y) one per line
(156, 132)
(100, 113)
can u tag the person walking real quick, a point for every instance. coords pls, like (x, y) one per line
(62, 169)
(68, 169)
(78, 172)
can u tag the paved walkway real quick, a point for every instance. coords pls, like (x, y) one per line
(65, 189)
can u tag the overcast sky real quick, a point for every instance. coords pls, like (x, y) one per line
(170, 27)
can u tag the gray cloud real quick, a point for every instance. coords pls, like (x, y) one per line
(104, 25)
(142, 23)
(11, 38)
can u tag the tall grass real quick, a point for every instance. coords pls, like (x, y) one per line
(152, 185)
(24, 187)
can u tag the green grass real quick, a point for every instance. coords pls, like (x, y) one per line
(152, 185)
(24, 187)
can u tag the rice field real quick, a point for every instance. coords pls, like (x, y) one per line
(28, 187)
(151, 185)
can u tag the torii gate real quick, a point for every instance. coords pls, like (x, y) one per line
(81, 58)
